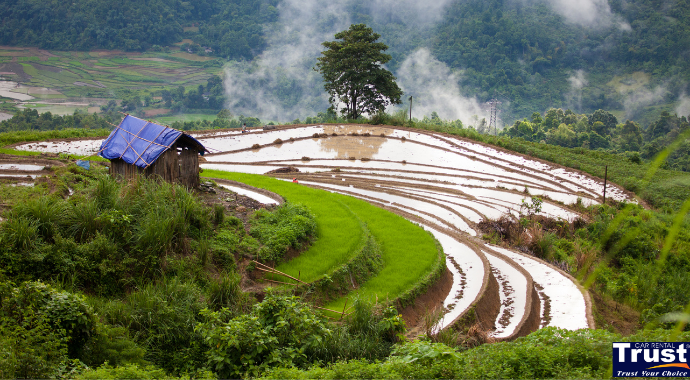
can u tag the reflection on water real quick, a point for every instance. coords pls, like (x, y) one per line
(354, 146)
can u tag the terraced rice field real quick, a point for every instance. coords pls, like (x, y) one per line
(446, 185)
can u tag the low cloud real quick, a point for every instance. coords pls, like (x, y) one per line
(280, 84)
(642, 97)
(434, 87)
(589, 13)
(419, 13)
(683, 108)
(577, 81)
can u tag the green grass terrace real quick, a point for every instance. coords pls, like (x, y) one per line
(409, 253)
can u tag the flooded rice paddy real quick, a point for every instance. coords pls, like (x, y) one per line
(445, 184)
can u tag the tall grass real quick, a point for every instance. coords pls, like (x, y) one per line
(161, 317)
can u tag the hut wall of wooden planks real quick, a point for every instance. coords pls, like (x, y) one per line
(177, 164)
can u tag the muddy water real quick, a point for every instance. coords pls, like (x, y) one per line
(468, 277)
(568, 307)
(9, 89)
(513, 293)
(251, 194)
(237, 141)
(76, 147)
(22, 167)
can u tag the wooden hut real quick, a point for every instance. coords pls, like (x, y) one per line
(140, 147)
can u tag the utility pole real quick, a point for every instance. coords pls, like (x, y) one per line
(410, 109)
(493, 112)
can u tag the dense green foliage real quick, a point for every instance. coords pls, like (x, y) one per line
(278, 331)
(286, 227)
(103, 240)
(522, 53)
(353, 74)
(601, 131)
(547, 353)
(232, 28)
(149, 255)
(30, 120)
(282, 331)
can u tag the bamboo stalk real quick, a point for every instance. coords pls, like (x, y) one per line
(322, 308)
(343, 313)
(275, 271)
(280, 282)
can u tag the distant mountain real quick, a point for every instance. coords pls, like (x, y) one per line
(629, 57)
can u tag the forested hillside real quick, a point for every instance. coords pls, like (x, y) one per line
(630, 56)
(526, 53)
(232, 28)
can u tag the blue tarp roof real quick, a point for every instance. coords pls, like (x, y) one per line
(140, 142)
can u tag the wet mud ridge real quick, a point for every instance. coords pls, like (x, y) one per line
(448, 186)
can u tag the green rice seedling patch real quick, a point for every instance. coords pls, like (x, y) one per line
(77, 63)
(192, 57)
(186, 117)
(338, 229)
(409, 253)
(18, 152)
(29, 69)
(63, 77)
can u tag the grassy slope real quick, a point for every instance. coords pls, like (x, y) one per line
(408, 251)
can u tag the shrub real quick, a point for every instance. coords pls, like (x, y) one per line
(249, 246)
(226, 292)
(280, 331)
(284, 227)
(82, 220)
(161, 317)
(36, 304)
(46, 213)
(129, 371)
(106, 192)
(112, 344)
